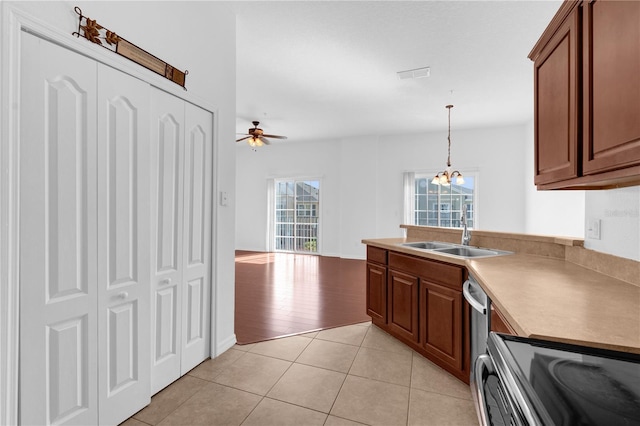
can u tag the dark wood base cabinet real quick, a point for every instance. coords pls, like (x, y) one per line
(419, 302)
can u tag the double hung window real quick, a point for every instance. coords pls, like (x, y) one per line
(431, 204)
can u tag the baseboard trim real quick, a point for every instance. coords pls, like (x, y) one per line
(224, 345)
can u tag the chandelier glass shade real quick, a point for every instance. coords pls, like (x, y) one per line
(446, 177)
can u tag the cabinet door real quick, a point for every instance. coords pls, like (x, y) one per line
(196, 253)
(402, 302)
(377, 292)
(611, 85)
(58, 289)
(441, 322)
(123, 245)
(167, 168)
(556, 106)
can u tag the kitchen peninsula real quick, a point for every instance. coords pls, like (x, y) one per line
(550, 288)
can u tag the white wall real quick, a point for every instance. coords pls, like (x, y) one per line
(362, 182)
(558, 213)
(199, 37)
(619, 213)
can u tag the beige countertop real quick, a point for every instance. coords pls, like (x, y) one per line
(552, 299)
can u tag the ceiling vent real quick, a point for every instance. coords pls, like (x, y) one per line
(415, 73)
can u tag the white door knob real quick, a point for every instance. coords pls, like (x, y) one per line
(166, 281)
(123, 295)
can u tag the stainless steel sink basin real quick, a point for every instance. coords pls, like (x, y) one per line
(454, 249)
(462, 251)
(428, 245)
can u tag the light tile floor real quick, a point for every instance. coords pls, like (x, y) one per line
(349, 375)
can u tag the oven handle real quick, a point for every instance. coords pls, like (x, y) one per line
(483, 363)
(478, 306)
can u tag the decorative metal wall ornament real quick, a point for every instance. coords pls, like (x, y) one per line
(96, 33)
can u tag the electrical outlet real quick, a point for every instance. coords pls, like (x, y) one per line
(593, 229)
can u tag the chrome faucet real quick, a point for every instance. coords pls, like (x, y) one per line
(466, 234)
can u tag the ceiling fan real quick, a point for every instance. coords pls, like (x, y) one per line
(256, 137)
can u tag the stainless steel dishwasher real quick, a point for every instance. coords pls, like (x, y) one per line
(480, 328)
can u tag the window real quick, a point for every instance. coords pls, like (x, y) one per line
(296, 215)
(436, 205)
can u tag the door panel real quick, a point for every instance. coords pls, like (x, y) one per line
(377, 292)
(58, 296)
(557, 151)
(403, 304)
(166, 346)
(167, 164)
(195, 311)
(123, 245)
(122, 335)
(441, 322)
(197, 236)
(169, 191)
(67, 382)
(611, 86)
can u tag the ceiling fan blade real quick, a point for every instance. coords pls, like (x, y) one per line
(265, 140)
(275, 136)
(241, 139)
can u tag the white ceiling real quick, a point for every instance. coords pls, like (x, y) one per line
(317, 70)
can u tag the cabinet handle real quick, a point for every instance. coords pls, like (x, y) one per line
(123, 295)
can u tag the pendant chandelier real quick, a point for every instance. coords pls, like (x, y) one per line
(444, 178)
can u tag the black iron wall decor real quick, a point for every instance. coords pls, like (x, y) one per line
(97, 34)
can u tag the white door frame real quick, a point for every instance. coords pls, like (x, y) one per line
(13, 22)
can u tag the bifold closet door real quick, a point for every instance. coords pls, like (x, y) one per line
(58, 221)
(196, 251)
(84, 237)
(123, 245)
(181, 185)
(167, 191)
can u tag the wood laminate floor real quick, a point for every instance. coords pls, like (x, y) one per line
(281, 294)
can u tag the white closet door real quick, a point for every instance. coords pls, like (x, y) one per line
(58, 289)
(123, 245)
(196, 251)
(167, 168)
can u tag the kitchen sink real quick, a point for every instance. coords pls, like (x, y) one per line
(471, 252)
(428, 245)
(455, 249)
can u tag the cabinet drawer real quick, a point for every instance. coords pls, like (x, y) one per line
(377, 255)
(449, 275)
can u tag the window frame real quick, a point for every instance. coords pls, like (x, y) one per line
(314, 210)
(411, 200)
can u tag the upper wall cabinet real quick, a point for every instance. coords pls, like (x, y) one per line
(587, 97)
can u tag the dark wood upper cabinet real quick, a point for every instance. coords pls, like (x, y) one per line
(611, 138)
(556, 105)
(587, 97)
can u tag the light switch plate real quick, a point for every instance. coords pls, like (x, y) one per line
(593, 229)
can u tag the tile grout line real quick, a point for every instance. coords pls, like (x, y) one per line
(347, 375)
(410, 387)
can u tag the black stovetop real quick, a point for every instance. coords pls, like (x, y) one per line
(578, 385)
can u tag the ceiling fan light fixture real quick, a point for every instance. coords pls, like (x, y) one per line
(256, 137)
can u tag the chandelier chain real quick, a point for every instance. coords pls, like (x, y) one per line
(449, 137)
